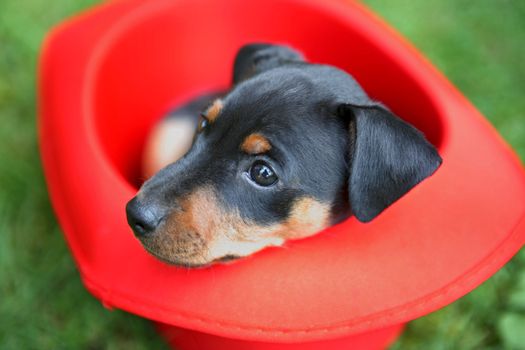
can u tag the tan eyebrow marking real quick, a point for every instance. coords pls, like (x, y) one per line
(214, 110)
(256, 144)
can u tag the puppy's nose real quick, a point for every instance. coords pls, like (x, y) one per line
(143, 218)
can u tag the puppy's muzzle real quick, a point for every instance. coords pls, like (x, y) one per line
(143, 218)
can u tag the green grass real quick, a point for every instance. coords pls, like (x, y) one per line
(478, 45)
(43, 304)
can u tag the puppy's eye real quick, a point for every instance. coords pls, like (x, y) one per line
(202, 124)
(262, 174)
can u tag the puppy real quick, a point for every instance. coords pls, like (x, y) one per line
(291, 149)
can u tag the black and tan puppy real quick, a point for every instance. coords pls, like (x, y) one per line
(292, 148)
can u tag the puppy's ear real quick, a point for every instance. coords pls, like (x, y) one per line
(388, 158)
(253, 59)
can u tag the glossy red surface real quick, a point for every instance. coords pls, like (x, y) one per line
(107, 75)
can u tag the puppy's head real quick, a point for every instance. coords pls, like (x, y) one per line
(290, 150)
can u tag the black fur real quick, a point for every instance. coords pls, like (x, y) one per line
(255, 58)
(389, 157)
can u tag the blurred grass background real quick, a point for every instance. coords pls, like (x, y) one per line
(480, 47)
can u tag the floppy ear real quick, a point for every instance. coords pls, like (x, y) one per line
(388, 158)
(253, 59)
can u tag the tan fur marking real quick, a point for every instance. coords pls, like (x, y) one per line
(308, 216)
(214, 110)
(256, 144)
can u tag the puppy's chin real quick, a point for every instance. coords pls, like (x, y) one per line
(174, 261)
(191, 262)
(182, 247)
(186, 249)
(186, 252)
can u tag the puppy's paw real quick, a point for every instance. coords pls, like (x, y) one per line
(168, 141)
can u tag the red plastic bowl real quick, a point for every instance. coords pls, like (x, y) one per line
(108, 75)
